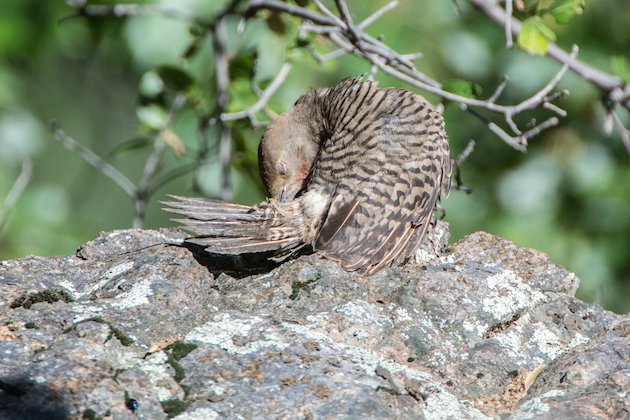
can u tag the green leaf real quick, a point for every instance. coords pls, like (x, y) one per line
(543, 5)
(534, 36)
(275, 23)
(152, 116)
(136, 143)
(151, 84)
(462, 88)
(175, 78)
(565, 10)
(242, 66)
(619, 66)
(241, 95)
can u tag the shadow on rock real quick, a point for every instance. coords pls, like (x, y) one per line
(21, 398)
(237, 266)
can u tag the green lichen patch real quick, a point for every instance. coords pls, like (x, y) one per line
(180, 374)
(174, 407)
(179, 349)
(124, 339)
(31, 326)
(90, 414)
(27, 300)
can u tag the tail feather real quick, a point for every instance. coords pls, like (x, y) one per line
(226, 228)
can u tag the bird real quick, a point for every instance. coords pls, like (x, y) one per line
(353, 172)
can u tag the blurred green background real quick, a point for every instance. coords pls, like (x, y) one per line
(569, 196)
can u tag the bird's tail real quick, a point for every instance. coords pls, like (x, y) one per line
(226, 228)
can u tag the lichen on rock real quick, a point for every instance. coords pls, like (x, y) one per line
(478, 329)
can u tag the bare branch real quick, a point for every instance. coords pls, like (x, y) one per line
(16, 191)
(353, 31)
(265, 96)
(320, 58)
(534, 131)
(347, 35)
(124, 10)
(377, 15)
(539, 97)
(222, 71)
(152, 164)
(255, 5)
(351, 39)
(414, 56)
(508, 24)
(465, 153)
(499, 90)
(554, 108)
(93, 159)
(334, 19)
(623, 131)
(612, 87)
(604, 81)
(515, 143)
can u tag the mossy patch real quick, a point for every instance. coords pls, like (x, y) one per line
(179, 349)
(50, 296)
(180, 374)
(124, 339)
(90, 414)
(174, 407)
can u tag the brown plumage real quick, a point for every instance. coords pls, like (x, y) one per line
(353, 171)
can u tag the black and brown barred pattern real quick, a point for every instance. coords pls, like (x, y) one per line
(385, 163)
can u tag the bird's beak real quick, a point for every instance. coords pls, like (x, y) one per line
(282, 195)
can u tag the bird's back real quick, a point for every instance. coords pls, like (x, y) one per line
(383, 165)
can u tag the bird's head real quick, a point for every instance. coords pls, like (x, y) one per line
(287, 152)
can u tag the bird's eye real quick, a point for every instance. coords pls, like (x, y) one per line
(282, 168)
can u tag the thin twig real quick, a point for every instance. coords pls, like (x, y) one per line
(539, 97)
(124, 10)
(509, 140)
(508, 24)
(465, 153)
(264, 98)
(16, 191)
(353, 31)
(222, 71)
(170, 176)
(321, 58)
(554, 108)
(255, 5)
(378, 14)
(603, 81)
(152, 164)
(93, 159)
(534, 131)
(623, 131)
(350, 37)
(499, 90)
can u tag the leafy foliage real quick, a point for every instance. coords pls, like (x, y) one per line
(535, 35)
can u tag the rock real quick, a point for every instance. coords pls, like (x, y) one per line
(131, 327)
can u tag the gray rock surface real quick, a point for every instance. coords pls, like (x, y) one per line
(130, 330)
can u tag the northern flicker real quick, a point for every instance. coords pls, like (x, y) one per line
(353, 172)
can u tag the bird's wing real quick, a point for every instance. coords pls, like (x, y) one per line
(388, 157)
